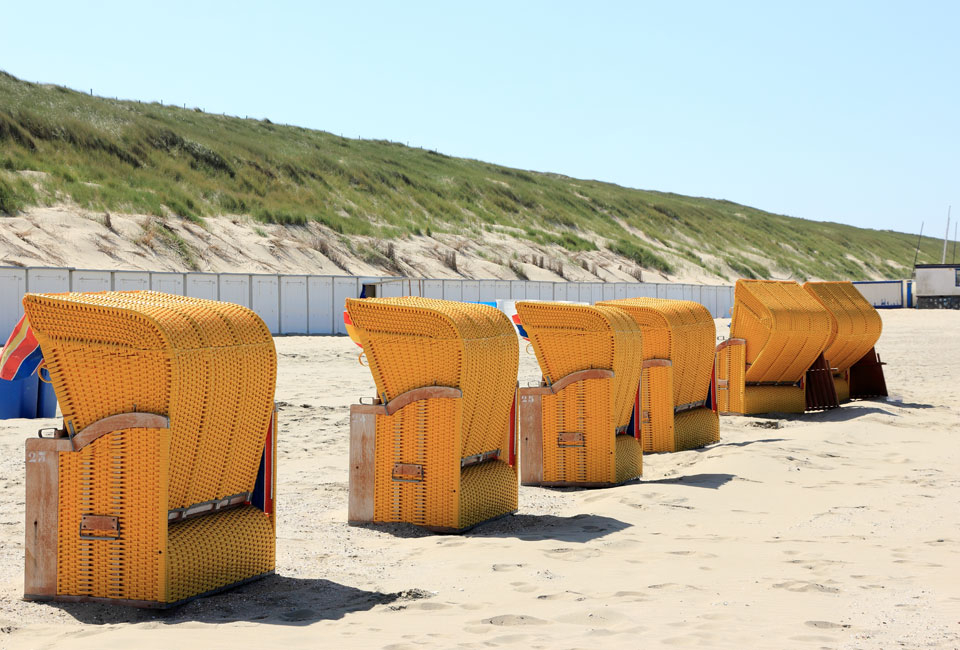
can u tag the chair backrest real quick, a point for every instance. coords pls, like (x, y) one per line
(785, 328)
(570, 337)
(209, 366)
(855, 323)
(681, 331)
(416, 342)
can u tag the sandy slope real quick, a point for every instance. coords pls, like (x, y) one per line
(833, 530)
(64, 235)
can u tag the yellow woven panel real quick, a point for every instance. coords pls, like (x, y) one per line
(656, 409)
(416, 342)
(774, 399)
(567, 338)
(582, 407)
(487, 490)
(681, 331)
(210, 366)
(786, 329)
(425, 433)
(855, 323)
(121, 474)
(696, 428)
(730, 367)
(842, 385)
(629, 458)
(217, 550)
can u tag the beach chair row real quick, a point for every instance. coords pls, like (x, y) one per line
(796, 348)
(160, 485)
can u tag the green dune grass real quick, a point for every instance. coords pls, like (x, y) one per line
(125, 156)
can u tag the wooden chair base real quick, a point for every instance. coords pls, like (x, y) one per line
(141, 604)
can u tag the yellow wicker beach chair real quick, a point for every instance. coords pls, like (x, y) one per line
(773, 360)
(679, 337)
(574, 428)
(855, 330)
(159, 487)
(436, 448)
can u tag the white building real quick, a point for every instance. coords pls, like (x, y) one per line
(938, 286)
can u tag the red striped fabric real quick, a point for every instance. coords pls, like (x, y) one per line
(21, 355)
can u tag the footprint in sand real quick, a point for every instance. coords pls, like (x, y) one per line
(571, 554)
(594, 618)
(803, 586)
(514, 619)
(507, 567)
(563, 595)
(826, 625)
(428, 606)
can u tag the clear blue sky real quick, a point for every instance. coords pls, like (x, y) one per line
(841, 111)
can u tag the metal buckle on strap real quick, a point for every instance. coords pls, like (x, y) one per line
(690, 406)
(476, 459)
(208, 507)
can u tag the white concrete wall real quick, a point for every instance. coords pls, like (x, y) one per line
(937, 281)
(302, 304)
(321, 314)
(81, 280)
(202, 285)
(882, 294)
(294, 305)
(13, 284)
(167, 283)
(235, 288)
(265, 299)
(131, 280)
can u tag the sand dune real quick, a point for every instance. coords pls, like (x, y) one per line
(830, 530)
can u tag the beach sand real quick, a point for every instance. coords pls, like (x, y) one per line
(827, 530)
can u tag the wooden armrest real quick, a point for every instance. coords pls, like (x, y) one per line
(572, 378)
(405, 399)
(118, 422)
(729, 342)
(657, 363)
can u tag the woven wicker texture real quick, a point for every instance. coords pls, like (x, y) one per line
(731, 367)
(487, 490)
(123, 475)
(417, 342)
(684, 333)
(211, 368)
(855, 323)
(695, 428)
(656, 409)
(629, 458)
(220, 549)
(681, 331)
(425, 433)
(568, 338)
(786, 329)
(774, 399)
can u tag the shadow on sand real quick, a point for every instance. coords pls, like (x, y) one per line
(274, 600)
(711, 481)
(577, 528)
(531, 528)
